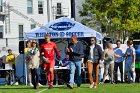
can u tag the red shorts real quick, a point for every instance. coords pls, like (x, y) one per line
(49, 65)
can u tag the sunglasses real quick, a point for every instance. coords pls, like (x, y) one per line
(46, 38)
(34, 42)
(118, 43)
(92, 40)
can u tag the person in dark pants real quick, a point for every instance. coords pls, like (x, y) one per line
(34, 62)
(75, 51)
(118, 61)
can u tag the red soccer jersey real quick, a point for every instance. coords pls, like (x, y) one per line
(49, 49)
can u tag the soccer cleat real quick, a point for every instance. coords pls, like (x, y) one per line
(16, 83)
(112, 82)
(40, 84)
(91, 86)
(70, 86)
(30, 84)
(95, 87)
(50, 87)
(100, 83)
(37, 86)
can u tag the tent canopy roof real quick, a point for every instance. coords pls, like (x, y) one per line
(63, 27)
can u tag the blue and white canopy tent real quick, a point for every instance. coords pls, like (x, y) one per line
(62, 28)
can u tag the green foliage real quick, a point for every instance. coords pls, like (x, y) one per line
(116, 15)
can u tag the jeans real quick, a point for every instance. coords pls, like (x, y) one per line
(129, 70)
(120, 65)
(75, 66)
(99, 75)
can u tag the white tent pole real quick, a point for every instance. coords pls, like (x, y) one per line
(24, 63)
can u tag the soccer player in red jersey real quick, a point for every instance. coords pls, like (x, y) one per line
(47, 50)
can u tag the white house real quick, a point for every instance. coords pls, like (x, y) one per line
(59, 8)
(18, 16)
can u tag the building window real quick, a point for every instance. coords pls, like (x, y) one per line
(59, 8)
(1, 9)
(1, 31)
(20, 27)
(29, 6)
(59, 16)
(40, 7)
(33, 26)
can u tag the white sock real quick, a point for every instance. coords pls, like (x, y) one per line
(134, 76)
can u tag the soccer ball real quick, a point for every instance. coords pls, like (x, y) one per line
(32, 52)
(109, 58)
(45, 59)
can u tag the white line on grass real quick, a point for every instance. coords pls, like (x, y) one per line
(55, 86)
(41, 91)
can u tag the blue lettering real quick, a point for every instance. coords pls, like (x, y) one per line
(53, 34)
(62, 34)
(40, 34)
(68, 34)
(80, 34)
(37, 34)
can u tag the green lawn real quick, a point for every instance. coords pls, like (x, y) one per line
(105, 88)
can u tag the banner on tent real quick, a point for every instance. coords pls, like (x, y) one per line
(60, 34)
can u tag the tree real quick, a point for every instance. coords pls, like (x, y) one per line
(118, 16)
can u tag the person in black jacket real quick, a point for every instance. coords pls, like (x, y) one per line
(95, 56)
(75, 52)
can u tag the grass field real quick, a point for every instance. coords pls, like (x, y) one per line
(105, 88)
